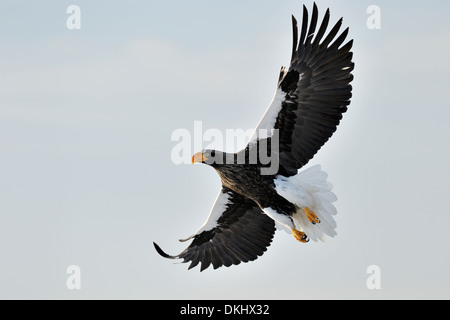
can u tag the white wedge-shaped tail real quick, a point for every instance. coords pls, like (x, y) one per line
(310, 188)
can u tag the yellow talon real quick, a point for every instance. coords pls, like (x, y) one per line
(300, 236)
(311, 216)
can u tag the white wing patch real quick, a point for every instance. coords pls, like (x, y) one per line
(282, 220)
(220, 205)
(267, 123)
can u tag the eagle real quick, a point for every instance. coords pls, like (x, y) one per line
(265, 191)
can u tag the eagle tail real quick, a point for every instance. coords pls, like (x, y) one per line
(310, 189)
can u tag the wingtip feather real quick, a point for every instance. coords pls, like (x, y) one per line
(162, 253)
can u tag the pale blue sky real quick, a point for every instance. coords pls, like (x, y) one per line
(86, 176)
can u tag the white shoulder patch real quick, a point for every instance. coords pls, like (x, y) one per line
(267, 123)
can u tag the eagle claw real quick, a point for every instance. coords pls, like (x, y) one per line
(312, 217)
(300, 236)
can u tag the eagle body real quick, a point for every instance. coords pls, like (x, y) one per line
(281, 198)
(247, 181)
(262, 191)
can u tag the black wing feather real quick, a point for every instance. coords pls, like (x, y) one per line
(242, 234)
(317, 90)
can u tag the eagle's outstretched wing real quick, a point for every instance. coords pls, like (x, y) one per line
(236, 231)
(312, 94)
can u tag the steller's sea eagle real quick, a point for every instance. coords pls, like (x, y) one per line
(311, 96)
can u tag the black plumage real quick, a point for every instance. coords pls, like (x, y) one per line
(318, 91)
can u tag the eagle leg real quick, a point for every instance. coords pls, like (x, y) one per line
(312, 217)
(299, 235)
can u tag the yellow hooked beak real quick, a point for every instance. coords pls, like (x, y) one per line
(198, 157)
